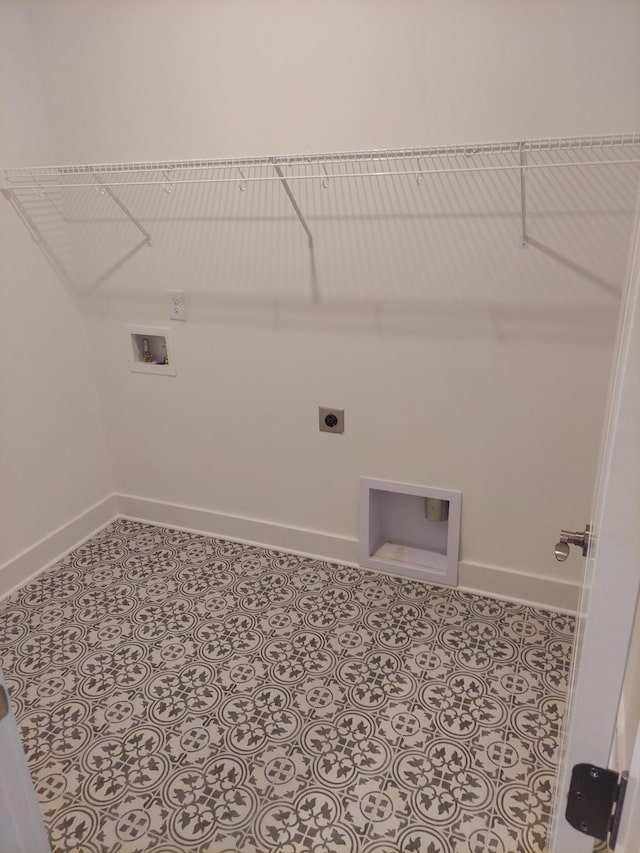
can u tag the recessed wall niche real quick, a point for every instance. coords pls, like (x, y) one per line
(410, 530)
(150, 350)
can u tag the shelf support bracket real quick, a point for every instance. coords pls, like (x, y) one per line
(303, 222)
(29, 224)
(39, 239)
(293, 201)
(524, 239)
(124, 208)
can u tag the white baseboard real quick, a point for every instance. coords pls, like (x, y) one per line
(253, 531)
(55, 545)
(494, 581)
(521, 587)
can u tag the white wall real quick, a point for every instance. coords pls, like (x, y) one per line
(131, 79)
(52, 454)
(489, 376)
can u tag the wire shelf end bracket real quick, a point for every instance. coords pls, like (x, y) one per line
(38, 238)
(293, 201)
(123, 208)
(524, 239)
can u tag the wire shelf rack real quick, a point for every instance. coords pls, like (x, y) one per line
(52, 200)
(372, 162)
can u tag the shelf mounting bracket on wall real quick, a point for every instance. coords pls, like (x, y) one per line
(524, 240)
(293, 201)
(38, 238)
(123, 208)
(502, 157)
(303, 222)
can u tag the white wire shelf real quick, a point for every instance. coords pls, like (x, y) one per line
(88, 236)
(313, 166)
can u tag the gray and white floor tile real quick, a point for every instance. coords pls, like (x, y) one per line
(177, 692)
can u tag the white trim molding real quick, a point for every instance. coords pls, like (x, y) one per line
(252, 531)
(56, 544)
(493, 581)
(521, 587)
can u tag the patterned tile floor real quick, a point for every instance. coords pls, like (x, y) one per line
(181, 693)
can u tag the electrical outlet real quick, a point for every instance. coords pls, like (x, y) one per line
(330, 420)
(177, 310)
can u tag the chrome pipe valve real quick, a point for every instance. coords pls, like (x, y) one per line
(581, 540)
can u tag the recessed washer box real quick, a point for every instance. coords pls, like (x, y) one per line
(150, 350)
(397, 537)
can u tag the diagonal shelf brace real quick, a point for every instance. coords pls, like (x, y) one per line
(124, 208)
(524, 239)
(27, 221)
(39, 239)
(293, 201)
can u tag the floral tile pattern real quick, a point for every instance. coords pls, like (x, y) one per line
(181, 693)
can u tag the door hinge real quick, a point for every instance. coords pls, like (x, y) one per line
(594, 805)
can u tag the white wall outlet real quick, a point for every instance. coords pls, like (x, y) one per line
(177, 309)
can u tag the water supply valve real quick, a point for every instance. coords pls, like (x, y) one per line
(570, 537)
